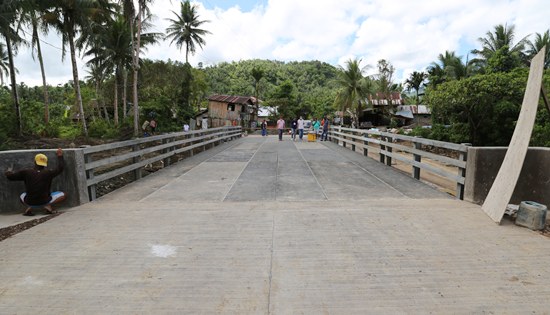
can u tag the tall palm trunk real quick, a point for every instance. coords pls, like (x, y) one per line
(124, 92)
(116, 98)
(44, 84)
(77, 83)
(14, 87)
(135, 67)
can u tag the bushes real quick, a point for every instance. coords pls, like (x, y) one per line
(101, 129)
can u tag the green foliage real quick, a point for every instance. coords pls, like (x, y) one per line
(101, 129)
(314, 84)
(418, 131)
(503, 60)
(483, 107)
(70, 131)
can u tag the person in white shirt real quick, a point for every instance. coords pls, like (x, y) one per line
(301, 127)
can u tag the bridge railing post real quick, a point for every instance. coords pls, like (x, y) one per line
(90, 175)
(137, 171)
(353, 133)
(366, 143)
(344, 138)
(389, 150)
(417, 158)
(462, 156)
(382, 148)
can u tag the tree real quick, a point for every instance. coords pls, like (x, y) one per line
(257, 74)
(112, 48)
(184, 30)
(35, 19)
(4, 63)
(415, 82)
(10, 11)
(495, 41)
(448, 67)
(129, 11)
(70, 17)
(482, 109)
(533, 47)
(354, 89)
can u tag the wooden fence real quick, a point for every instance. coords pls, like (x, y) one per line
(390, 146)
(104, 162)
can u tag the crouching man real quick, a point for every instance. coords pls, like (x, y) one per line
(38, 181)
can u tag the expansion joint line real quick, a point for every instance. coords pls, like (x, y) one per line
(271, 266)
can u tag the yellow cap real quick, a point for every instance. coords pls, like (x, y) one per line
(41, 160)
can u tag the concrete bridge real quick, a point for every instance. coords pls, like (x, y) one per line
(258, 226)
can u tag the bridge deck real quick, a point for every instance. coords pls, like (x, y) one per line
(258, 226)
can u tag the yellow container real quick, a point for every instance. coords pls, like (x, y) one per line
(311, 137)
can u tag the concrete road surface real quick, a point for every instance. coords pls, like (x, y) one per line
(258, 226)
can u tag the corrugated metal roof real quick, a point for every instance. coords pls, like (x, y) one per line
(233, 99)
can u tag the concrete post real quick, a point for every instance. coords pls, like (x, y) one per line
(366, 143)
(417, 158)
(382, 148)
(90, 175)
(137, 172)
(389, 149)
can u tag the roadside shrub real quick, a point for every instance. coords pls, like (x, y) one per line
(421, 132)
(70, 131)
(440, 132)
(100, 128)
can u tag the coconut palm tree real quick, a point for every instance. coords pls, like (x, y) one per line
(501, 40)
(10, 12)
(184, 29)
(354, 88)
(415, 82)
(34, 17)
(69, 18)
(112, 47)
(448, 67)
(541, 40)
(135, 16)
(4, 63)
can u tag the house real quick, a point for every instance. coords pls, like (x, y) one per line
(382, 105)
(230, 110)
(417, 114)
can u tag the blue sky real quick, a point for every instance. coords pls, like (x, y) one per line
(244, 5)
(409, 34)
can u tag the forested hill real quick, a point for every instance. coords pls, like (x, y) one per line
(309, 85)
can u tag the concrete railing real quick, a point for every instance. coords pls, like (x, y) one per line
(117, 158)
(85, 168)
(408, 150)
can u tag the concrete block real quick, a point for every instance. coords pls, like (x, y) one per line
(531, 215)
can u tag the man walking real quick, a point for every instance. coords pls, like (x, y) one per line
(281, 127)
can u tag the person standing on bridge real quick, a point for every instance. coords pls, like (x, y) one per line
(301, 128)
(324, 135)
(264, 128)
(294, 127)
(281, 127)
(38, 181)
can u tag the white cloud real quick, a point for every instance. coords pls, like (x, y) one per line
(410, 34)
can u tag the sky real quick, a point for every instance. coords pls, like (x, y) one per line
(409, 34)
